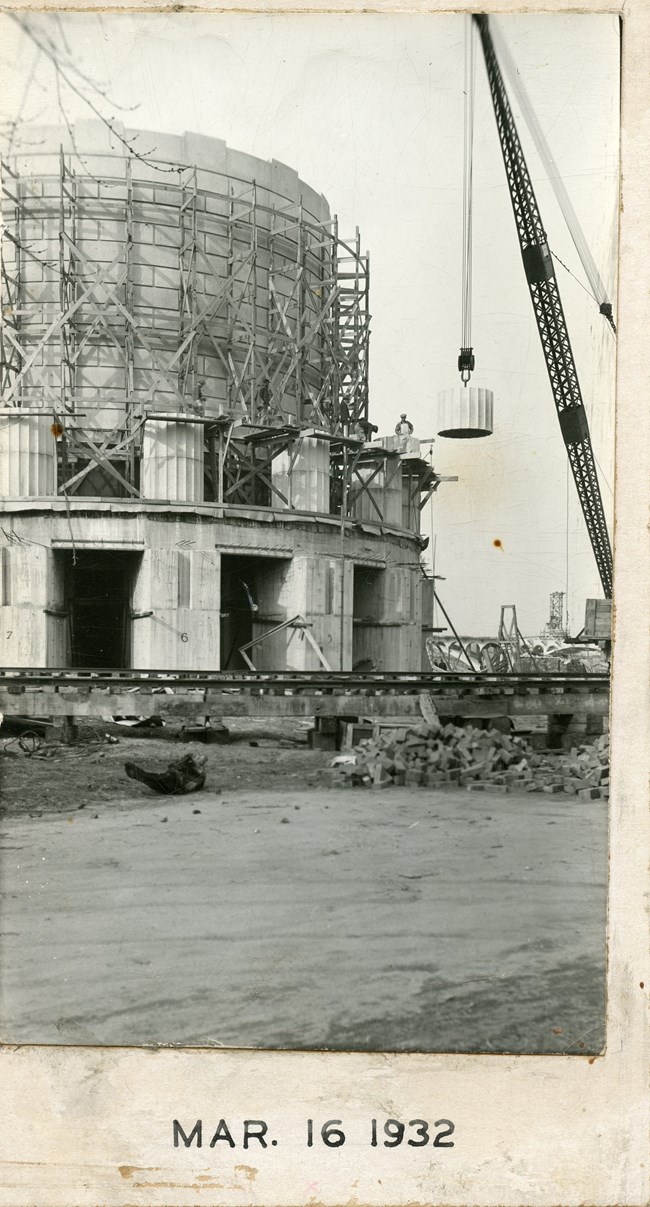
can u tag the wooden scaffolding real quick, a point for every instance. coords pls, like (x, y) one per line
(288, 315)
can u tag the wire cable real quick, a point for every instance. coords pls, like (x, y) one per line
(572, 274)
(468, 156)
(552, 171)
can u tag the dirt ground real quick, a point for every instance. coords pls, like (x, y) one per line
(92, 772)
(270, 911)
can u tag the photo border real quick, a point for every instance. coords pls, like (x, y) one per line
(85, 1126)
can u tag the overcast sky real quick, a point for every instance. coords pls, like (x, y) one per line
(369, 110)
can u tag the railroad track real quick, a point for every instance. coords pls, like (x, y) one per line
(15, 679)
(193, 695)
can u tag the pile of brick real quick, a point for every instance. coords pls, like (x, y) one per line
(436, 756)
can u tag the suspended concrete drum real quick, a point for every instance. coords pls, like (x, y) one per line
(465, 412)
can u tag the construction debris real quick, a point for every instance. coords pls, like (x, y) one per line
(185, 775)
(435, 755)
(217, 733)
(136, 722)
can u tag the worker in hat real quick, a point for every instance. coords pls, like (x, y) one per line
(404, 429)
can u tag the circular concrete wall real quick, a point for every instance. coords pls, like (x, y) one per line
(201, 257)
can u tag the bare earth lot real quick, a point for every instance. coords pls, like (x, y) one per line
(275, 912)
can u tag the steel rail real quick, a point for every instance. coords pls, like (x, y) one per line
(319, 681)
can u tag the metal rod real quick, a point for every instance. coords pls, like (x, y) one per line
(390, 681)
(451, 626)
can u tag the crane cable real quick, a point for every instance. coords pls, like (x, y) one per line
(466, 358)
(552, 171)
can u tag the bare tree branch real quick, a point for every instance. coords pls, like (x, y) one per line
(46, 48)
(15, 123)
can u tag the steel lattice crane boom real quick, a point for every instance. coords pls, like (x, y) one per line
(551, 323)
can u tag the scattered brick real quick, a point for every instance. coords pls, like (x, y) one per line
(437, 756)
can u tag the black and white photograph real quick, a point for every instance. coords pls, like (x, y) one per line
(308, 373)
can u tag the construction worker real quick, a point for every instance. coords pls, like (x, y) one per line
(362, 429)
(368, 428)
(263, 404)
(404, 429)
(197, 405)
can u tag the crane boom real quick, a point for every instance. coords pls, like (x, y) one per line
(549, 314)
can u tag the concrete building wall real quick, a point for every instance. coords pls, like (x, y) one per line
(173, 284)
(181, 590)
(57, 630)
(174, 556)
(29, 589)
(388, 617)
(312, 588)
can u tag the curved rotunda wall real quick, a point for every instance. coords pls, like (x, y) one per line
(199, 231)
(141, 296)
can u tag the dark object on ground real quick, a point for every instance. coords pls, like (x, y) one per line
(134, 722)
(17, 724)
(185, 775)
(217, 733)
(29, 741)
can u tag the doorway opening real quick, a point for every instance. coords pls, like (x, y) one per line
(367, 610)
(252, 601)
(99, 587)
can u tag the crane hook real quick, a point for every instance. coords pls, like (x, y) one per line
(466, 364)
